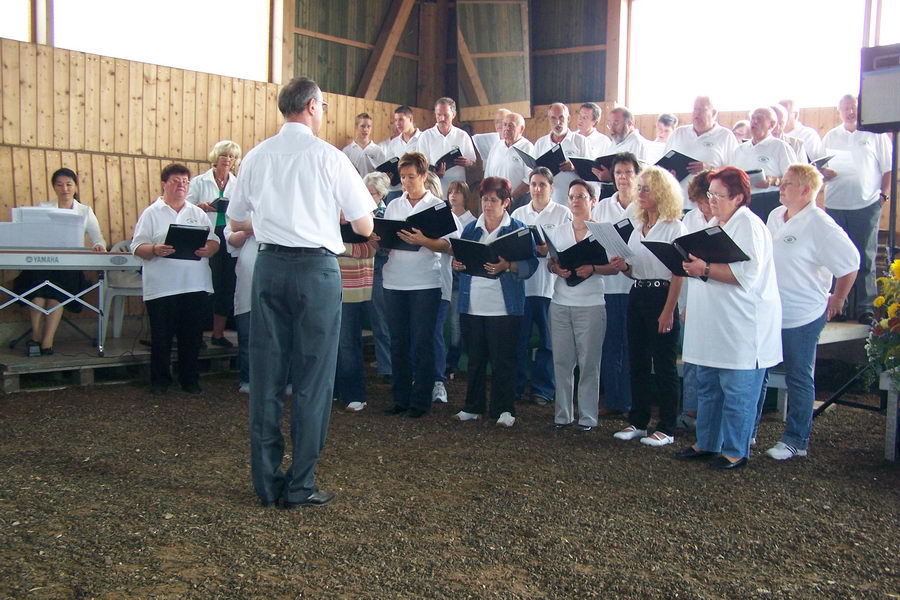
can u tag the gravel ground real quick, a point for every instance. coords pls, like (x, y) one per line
(108, 492)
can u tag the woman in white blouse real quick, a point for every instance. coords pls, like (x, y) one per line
(810, 249)
(652, 309)
(412, 293)
(614, 366)
(217, 184)
(577, 317)
(43, 327)
(733, 327)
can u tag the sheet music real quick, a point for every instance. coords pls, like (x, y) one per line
(609, 238)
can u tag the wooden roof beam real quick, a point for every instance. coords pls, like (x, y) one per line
(394, 23)
(468, 74)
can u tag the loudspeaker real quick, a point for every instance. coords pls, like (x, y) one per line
(879, 89)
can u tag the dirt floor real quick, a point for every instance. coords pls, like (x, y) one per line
(109, 492)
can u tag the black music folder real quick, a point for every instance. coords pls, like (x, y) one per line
(624, 228)
(712, 245)
(186, 239)
(351, 237)
(447, 160)
(676, 161)
(434, 222)
(389, 168)
(586, 252)
(551, 159)
(513, 246)
(820, 163)
(537, 234)
(220, 204)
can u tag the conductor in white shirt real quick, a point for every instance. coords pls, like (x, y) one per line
(294, 186)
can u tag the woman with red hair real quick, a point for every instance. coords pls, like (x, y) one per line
(739, 334)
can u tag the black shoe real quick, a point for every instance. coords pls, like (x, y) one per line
(317, 498)
(46, 351)
(867, 318)
(690, 454)
(839, 318)
(268, 503)
(416, 413)
(159, 390)
(396, 410)
(192, 388)
(583, 429)
(723, 464)
(560, 426)
(540, 400)
(223, 341)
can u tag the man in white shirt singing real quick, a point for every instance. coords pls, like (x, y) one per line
(444, 137)
(505, 162)
(573, 144)
(587, 119)
(362, 151)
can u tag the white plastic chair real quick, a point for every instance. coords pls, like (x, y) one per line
(119, 285)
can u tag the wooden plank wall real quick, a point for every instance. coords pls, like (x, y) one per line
(118, 122)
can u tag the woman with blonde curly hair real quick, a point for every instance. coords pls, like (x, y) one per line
(652, 308)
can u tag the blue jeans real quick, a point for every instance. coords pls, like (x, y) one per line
(378, 319)
(614, 366)
(689, 389)
(294, 326)
(440, 349)
(349, 383)
(543, 382)
(726, 409)
(242, 322)
(411, 317)
(862, 227)
(799, 349)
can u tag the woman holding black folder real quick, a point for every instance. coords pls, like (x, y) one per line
(175, 291)
(577, 315)
(491, 309)
(653, 323)
(733, 327)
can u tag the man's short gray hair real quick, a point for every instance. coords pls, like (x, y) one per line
(295, 96)
(564, 107)
(594, 108)
(446, 102)
(626, 114)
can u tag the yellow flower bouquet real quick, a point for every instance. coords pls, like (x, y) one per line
(883, 344)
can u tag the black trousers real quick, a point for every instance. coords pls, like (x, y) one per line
(222, 266)
(652, 356)
(491, 340)
(181, 316)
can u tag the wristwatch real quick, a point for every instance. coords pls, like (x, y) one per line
(883, 196)
(705, 276)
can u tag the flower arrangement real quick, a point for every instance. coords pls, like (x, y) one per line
(883, 344)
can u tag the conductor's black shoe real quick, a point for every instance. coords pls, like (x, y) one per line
(317, 498)
(867, 318)
(723, 464)
(395, 410)
(223, 341)
(416, 413)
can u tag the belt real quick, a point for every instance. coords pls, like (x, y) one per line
(293, 249)
(651, 283)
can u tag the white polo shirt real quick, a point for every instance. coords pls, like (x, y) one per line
(573, 145)
(169, 276)
(587, 293)
(597, 144)
(810, 138)
(246, 260)
(737, 326)
(433, 144)
(295, 186)
(861, 159)
(364, 159)
(609, 210)
(205, 189)
(486, 299)
(644, 265)
(634, 142)
(809, 248)
(771, 155)
(715, 147)
(693, 221)
(396, 148)
(505, 162)
(541, 283)
(420, 270)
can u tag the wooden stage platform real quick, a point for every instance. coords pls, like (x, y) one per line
(75, 362)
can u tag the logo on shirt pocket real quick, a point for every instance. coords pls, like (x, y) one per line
(764, 159)
(790, 239)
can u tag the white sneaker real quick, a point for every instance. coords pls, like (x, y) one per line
(244, 388)
(658, 439)
(506, 419)
(356, 406)
(466, 416)
(781, 451)
(752, 441)
(439, 393)
(629, 433)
